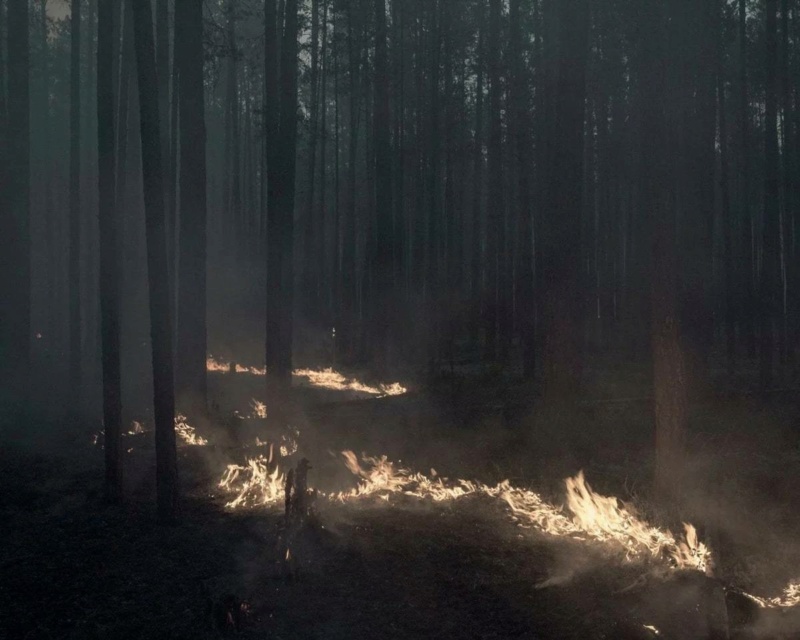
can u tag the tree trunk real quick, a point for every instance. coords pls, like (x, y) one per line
(521, 137)
(286, 172)
(282, 124)
(727, 221)
(271, 131)
(157, 265)
(669, 376)
(15, 231)
(109, 262)
(193, 206)
(496, 214)
(561, 274)
(382, 307)
(476, 236)
(312, 227)
(747, 306)
(75, 368)
(770, 271)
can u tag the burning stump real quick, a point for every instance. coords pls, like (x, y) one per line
(299, 512)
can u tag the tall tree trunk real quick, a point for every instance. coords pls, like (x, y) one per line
(322, 234)
(281, 194)
(522, 145)
(312, 227)
(770, 271)
(193, 206)
(561, 274)
(109, 262)
(657, 203)
(286, 172)
(349, 293)
(789, 218)
(496, 215)
(15, 231)
(727, 221)
(747, 306)
(157, 265)
(271, 132)
(382, 307)
(476, 236)
(162, 69)
(75, 208)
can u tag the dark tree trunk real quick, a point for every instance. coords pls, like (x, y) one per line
(560, 273)
(476, 237)
(382, 303)
(75, 208)
(657, 204)
(789, 218)
(109, 262)
(349, 288)
(286, 174)
(747, 306)
(727, 222)
(770, 271)
(496, 213)
(312, 226)
(162, 69)
(522, 144)
(282, 124)
(157, 265)
(192, 349)
(15, 220)
(272, 130)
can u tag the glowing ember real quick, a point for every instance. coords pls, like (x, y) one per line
(136, 428)
(188, 433)
(254, 484)
(259, 408)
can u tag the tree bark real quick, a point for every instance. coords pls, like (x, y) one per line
(657, 202)
(496, 213)
(157, 265)
(560, 272)
(109, 262)
(192, 323)
(382, 307)
(75, 368)
(770, 271)
(15, 231)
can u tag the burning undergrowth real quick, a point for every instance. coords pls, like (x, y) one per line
(325, 378)
(585, 516)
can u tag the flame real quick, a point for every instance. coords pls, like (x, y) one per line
(330, 379)
(188, 433)
(790, 597)
(222, 366)
(586, 514)
(254, 484)
(325, 378)
(592, 515)
(259, 408)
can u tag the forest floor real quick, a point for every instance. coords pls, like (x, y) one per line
(74, 567)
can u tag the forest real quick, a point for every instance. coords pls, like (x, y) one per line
(410, 318)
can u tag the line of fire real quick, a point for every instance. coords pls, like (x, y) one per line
(400, 319)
